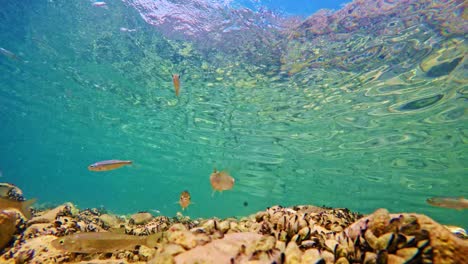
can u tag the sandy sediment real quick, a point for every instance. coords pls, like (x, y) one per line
(299, 234)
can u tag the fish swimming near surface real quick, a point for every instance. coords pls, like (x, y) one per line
(22, 206)
(124, 29)
(9, 54)
(221, 181)
(184, 199)
(458, 203)
(176, 82)
(100, 4)
(97, 242)
(107, 165)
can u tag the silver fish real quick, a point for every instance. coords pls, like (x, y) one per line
(458, 203)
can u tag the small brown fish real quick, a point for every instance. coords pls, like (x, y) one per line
(100, 4)
(458, 203)
(96, 242)
(22, 206)
(108, 165)
(176, 82)
(221, 181)
(184, 199)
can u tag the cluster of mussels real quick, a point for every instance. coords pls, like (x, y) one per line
(32, 242)
(299, 234)
(308, 234)
(11, 192)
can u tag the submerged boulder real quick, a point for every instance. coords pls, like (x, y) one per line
(7, 227)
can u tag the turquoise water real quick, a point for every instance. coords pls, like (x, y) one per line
(362, 108)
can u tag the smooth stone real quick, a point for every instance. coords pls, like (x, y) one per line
(141, 218)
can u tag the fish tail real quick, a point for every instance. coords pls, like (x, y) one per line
(152, 241)
(25, 208)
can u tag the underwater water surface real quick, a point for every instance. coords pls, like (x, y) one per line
(362, 107)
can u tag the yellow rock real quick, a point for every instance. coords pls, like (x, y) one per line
(293, 253)
(50, 215)
(183, 238)
(141, 218)
(145, 252)
(311, 256)
(110, 220)
(342, 260)
(7, 227)
(220, 250)
(328, 256)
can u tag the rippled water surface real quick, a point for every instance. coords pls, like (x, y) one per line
(364, 107)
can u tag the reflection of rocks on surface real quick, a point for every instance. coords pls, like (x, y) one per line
(300, 234)
(444, 60)
(380, 35)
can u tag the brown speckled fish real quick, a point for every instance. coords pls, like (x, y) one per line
(458, 203)
(96, 242)
(221, 181)
(108, 165)
(184, 199)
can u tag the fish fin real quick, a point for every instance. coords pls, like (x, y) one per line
(212, 193)
(214, 170)
(224, 172)
(129, 162)
(25, 208)
(117, 230)
(152, 241)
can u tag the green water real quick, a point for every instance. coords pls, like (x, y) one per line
(351, 122)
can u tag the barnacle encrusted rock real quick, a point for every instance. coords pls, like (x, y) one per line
(140, 218)
(11, 191)
(49, 216)
(411, 237)
(299, 234)
(220, 250)
(39, 250)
